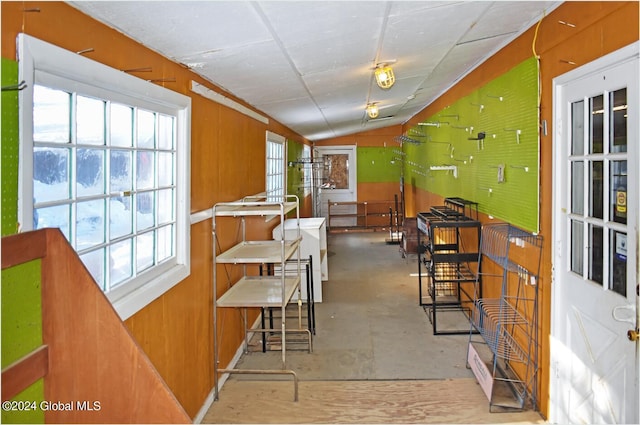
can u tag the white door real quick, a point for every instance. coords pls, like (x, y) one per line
(594, 365)
(339, 184)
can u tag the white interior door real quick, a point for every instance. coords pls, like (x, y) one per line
(594, 364)
(339, 183)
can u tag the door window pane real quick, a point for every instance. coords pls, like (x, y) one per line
(51, 174)
(51, 115)
(577, 247)
(577, 187)
(338, 171)
(121, 128)
(618, 121)
(597, 189)
(618, 198)
(90, 172)
(577, 128)
(90, 121)
(597, 119)
(618, 261)
(596, 253)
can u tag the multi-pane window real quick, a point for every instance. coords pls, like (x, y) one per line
(104, 173)
(275, 167)
(307, 169)
(104, 157)
(598, 162)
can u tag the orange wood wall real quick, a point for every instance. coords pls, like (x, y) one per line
(91, 354)
(227, 163)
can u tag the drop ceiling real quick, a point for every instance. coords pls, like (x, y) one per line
(309, 64)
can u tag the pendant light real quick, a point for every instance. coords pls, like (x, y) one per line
(372, 110)
(384, 76)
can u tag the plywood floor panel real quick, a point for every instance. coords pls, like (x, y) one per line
(359, 402)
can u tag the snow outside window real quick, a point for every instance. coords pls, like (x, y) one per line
(105, 158)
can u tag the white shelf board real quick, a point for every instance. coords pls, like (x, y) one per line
(242, 209)
(256, 252)
(259, 291)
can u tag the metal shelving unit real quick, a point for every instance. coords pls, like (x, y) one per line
(259, 291)
(448, 241)
(366, 216)
(503, 344)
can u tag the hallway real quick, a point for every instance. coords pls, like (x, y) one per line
(374, 348)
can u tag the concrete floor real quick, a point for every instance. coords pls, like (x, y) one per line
(370, 325)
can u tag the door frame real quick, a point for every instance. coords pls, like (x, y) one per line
(350, 150)
(560, 245)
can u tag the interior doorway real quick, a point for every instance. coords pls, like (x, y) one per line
(594, 361)
(339, 183)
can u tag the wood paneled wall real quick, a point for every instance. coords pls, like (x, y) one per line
(227, 163)
(92, 358)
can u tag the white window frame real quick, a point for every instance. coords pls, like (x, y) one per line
(275, 167)
(46, 64)
(307, 170)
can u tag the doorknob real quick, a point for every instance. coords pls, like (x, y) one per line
(633, 335)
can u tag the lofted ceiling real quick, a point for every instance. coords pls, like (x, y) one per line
(309, 64)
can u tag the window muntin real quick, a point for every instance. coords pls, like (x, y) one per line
(89, 179)
(598, 163)
(275, 167)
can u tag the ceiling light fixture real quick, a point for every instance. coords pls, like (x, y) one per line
(384, 76)
(372, 110)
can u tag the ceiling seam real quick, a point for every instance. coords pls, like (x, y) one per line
(267, 24)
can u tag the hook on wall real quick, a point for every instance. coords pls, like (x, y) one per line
(82, 52)
(144, 69)
(15, 87)
(163, 80)
(517, 131)
(430, 124)
(479, 105)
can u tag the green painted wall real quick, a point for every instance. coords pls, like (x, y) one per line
(378, 164)
(506, 109)
(10, 146)
(295, 172)
(21, 297)
(22, 333)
